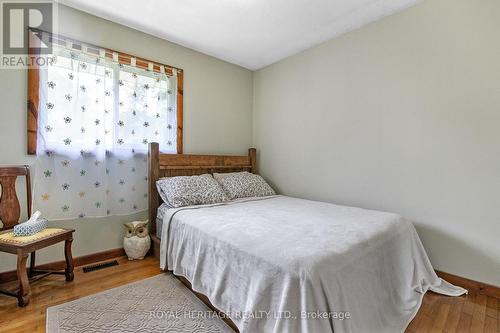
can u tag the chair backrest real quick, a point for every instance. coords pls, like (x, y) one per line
(10, 209)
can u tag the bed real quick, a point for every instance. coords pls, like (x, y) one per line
(282, 264)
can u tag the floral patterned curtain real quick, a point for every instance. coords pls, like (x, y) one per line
(96, 118)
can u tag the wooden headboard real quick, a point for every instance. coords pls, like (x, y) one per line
(170, 165)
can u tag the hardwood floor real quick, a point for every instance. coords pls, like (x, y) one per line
(55, 290)
(472, 313)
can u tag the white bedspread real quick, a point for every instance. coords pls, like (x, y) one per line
(268, 263)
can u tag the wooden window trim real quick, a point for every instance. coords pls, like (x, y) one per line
(123, 58)
(33, 97)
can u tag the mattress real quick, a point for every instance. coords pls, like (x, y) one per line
(159, 218)
(281, 264)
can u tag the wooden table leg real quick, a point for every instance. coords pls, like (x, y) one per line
(32, 264)
(23, 295)
(69, 260)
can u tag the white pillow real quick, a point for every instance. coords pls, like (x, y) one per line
(190, 190)
(243, 185)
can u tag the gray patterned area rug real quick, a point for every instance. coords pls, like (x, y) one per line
(158, 304)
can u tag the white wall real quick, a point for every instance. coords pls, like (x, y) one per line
(217, 114)
(402, 115)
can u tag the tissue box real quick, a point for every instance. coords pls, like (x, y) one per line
(31, 228)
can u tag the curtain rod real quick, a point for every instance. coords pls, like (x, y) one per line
(120, 57)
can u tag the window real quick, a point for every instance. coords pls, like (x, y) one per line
(91, 105)
(92, 99)
(91, 114)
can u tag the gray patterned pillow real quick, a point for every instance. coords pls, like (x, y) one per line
(243, 185)
(190, 190)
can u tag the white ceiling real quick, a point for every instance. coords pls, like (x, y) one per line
(249, 33)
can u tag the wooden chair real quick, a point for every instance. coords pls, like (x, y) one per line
(9, 215)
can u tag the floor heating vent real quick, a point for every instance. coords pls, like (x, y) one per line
(98, 266)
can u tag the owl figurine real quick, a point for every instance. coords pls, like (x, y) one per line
(136, 241)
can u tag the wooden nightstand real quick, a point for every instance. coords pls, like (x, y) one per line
(24, 246)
